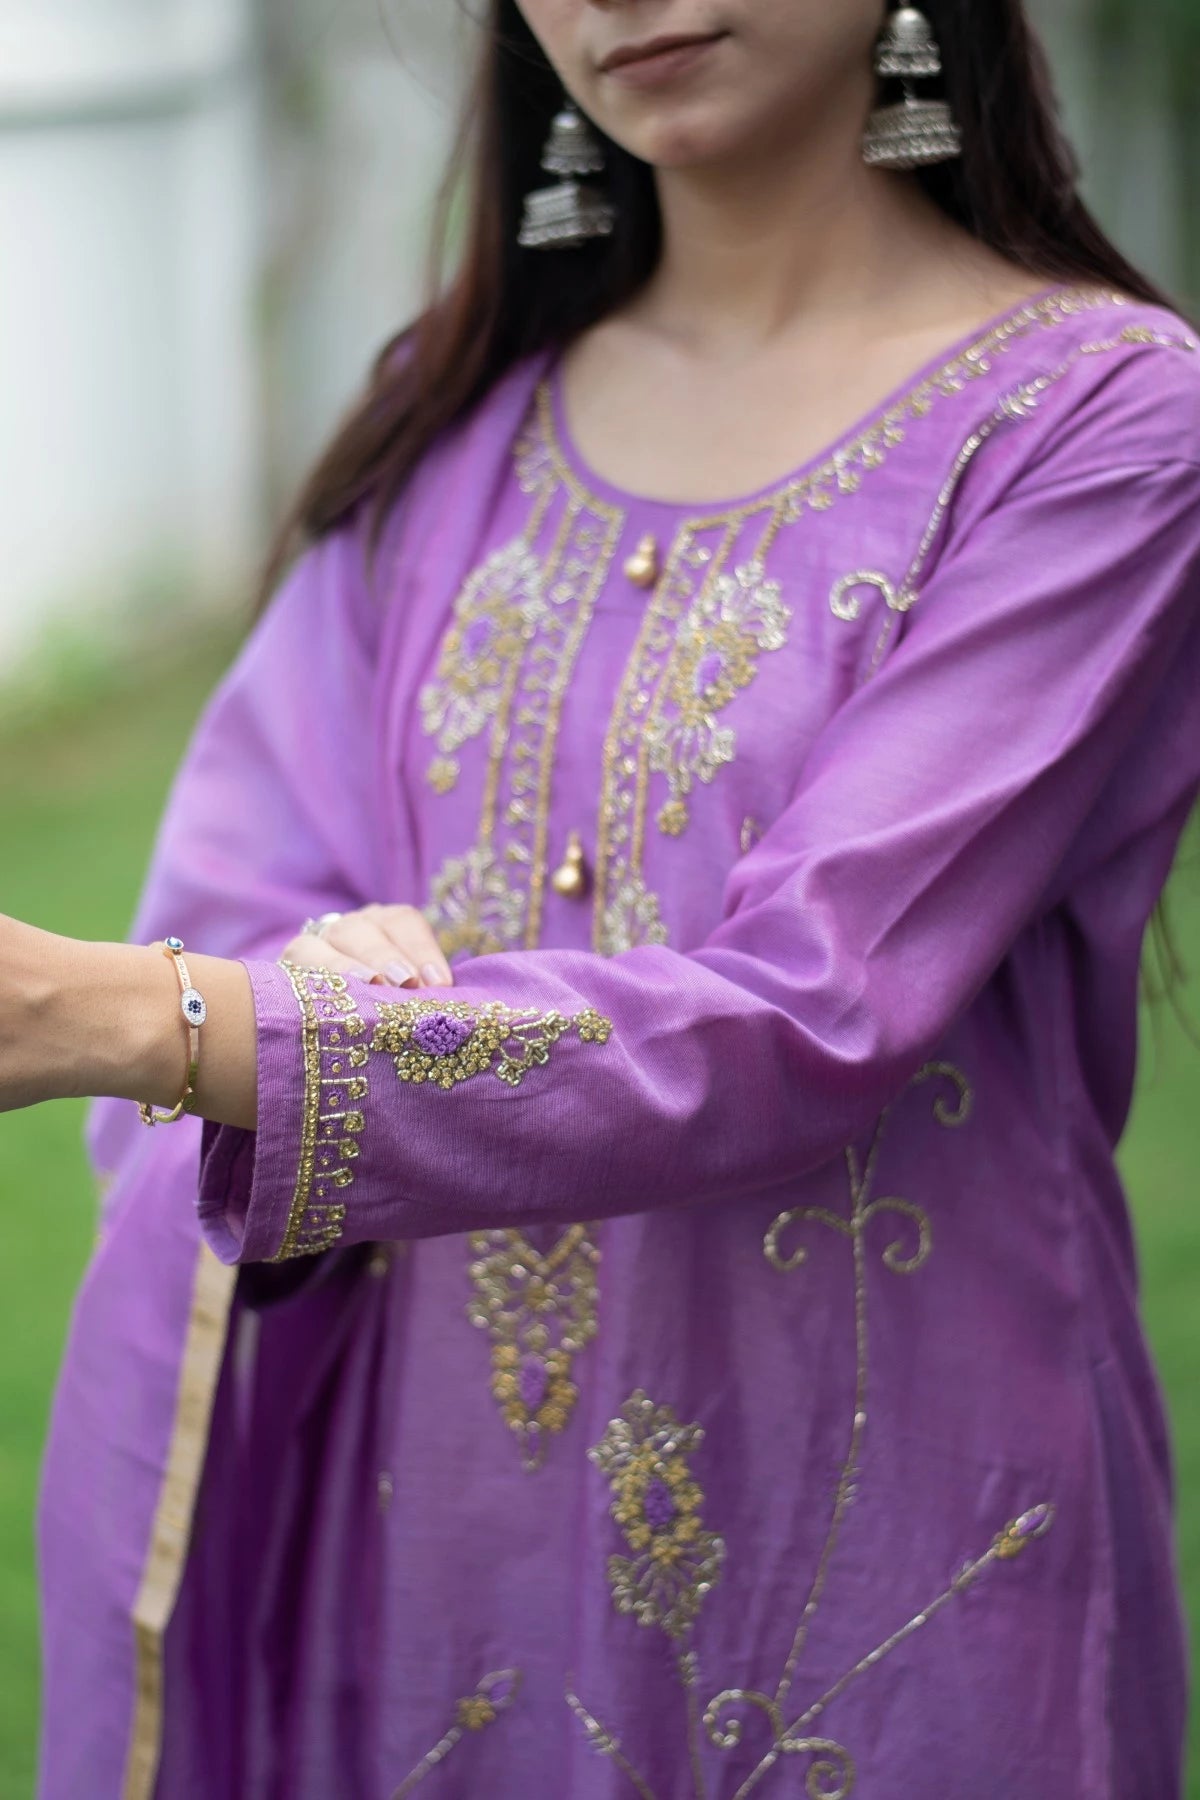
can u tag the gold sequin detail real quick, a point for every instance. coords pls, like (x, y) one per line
(645, 1455)
(491, 1040)
(626, 911)
(494, 617)
(491, 896)
(731, 622)
(333, 1119)
(539, 1311)
(473, 1713)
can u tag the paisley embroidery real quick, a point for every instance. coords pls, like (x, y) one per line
(732, 620)
(493, 618)
(539, 1312)
(445, 1042)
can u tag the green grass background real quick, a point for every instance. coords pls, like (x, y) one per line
(81, 787)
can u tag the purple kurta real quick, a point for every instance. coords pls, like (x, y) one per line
(699, 1354)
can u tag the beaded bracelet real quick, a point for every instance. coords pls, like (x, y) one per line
(195, 1011)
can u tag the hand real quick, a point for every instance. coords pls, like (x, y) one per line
(393, 944)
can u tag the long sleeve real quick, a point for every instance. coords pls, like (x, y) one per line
(924, 835)
(270, 815)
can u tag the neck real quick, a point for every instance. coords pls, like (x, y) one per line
(751, 250)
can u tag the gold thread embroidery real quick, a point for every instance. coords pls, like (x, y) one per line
(539, 1311)
(335, 1085)
(675, 1562)
(446, 1042)
(731, 622)
(1141, 334)
(656, 1501)
(474, 1713)
(626, 912)
(170, 1532)
(494, 617)
(473, 907)
(491, 898)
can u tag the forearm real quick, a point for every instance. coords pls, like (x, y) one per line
(104, 1019)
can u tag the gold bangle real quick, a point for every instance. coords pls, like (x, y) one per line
(195, 1010)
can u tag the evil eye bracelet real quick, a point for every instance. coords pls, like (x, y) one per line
(195, 1011)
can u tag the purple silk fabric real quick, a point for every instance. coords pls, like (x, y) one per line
(719, 1367)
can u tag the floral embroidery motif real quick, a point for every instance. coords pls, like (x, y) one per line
(704, 546)
(473, 907)
(539, 1311)
(335, 1085)
(656, 1502)
(474, 1713)
(494, 617)
(674, 1562)
(732, 620)
(446, 1043)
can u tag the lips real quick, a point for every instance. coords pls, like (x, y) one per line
(626, 54)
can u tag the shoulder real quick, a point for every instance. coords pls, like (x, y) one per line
(1121, 387)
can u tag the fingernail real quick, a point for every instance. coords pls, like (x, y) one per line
(434, 975)
(361, 971)
(398, 973)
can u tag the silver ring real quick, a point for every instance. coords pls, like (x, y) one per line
(318, 927)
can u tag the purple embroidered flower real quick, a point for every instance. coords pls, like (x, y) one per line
(709, 670)
(533, 1381)
(658, 1505)
(477, 638)
(441, 1034)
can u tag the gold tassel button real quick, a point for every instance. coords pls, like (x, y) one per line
(642, 568)
(571, 879)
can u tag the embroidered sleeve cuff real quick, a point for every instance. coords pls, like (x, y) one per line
(329, 1090)
(279, 1192)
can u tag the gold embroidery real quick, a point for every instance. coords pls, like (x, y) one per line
(494, 617)
(333, 1121)
(170, 1531)
(475, 1712)
(492, 898)
(1141, 334)
(626, 912)
(731, 621)
(473, 907)
(445, 1042)
(539, 1311)
(605, 1744)
(844, 603)
(656, 1502)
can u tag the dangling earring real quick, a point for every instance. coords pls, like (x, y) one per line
(914, 131)
(569, 213)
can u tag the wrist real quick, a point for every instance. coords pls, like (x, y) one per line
(127, 1036)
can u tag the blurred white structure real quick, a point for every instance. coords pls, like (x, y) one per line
(212, 213)
(129, 432)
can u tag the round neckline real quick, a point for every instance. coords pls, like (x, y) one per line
(833, 453)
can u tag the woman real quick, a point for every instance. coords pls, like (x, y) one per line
(688, 1347)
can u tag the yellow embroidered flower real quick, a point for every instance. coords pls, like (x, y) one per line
(476, 1712)
(442, 774)
(656, 1502)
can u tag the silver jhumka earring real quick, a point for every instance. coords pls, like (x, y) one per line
(570, 213)
(913, 131)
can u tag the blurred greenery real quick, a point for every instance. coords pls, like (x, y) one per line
(81, 788)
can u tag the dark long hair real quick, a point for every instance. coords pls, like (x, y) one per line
(1015, 187)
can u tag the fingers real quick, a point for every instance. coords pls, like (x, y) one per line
(390, 943)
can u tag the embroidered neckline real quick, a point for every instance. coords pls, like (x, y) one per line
(839, 462)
